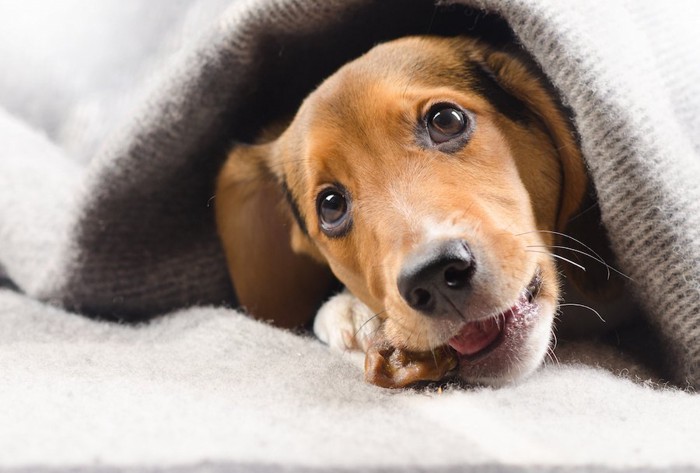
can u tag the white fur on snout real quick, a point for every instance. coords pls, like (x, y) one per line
(344, 323)
(446, 229)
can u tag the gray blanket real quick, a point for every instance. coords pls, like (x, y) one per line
(120, 226)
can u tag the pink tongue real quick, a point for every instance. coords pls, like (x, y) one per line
(475, 336)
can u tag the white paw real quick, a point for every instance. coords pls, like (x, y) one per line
(344, 323)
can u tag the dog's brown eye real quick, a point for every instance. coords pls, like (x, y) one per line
(333, 208)
(333, 211)
(445, 123)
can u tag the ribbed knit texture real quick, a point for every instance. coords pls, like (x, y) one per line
(133, 235)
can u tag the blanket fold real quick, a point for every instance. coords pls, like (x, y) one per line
(133, 235)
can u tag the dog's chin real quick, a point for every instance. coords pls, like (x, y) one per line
(508, 346)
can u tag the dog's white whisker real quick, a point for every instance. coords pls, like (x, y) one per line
(574, 250)
(548, 354)
(584, 306)
(553, 356)
(554, 255)
(599, 258)
(554, 340)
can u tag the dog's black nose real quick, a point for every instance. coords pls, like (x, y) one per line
(436, 278)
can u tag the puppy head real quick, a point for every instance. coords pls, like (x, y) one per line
(429, 174)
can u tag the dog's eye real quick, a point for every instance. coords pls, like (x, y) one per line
(333, 211)
(333, 208)
(445, 122)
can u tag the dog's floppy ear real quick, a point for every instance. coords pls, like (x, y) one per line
(519, 80)
(271, 280)
(579, 215)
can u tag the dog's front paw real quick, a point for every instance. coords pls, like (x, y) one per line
(345, 323)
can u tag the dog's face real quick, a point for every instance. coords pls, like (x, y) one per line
(427, 177)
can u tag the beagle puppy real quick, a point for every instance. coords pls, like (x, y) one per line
(436, 179)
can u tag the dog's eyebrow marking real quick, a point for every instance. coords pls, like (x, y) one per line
(295, 207)
(486, 83)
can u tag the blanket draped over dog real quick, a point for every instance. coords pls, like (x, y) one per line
(131, 235)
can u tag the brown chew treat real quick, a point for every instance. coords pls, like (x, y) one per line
(391, 367)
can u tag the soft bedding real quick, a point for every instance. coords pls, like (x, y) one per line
(113, 221)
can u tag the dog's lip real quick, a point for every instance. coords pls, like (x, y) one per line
(479, 338)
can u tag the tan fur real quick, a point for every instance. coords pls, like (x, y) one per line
(251, 215)
(358, 129)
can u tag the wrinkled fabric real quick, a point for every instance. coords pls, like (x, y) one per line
(131, 234)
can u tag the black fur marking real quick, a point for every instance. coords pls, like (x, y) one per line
(295, 208)
(486, 84)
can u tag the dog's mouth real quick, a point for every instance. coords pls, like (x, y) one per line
(476, 340)
(491, 350)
